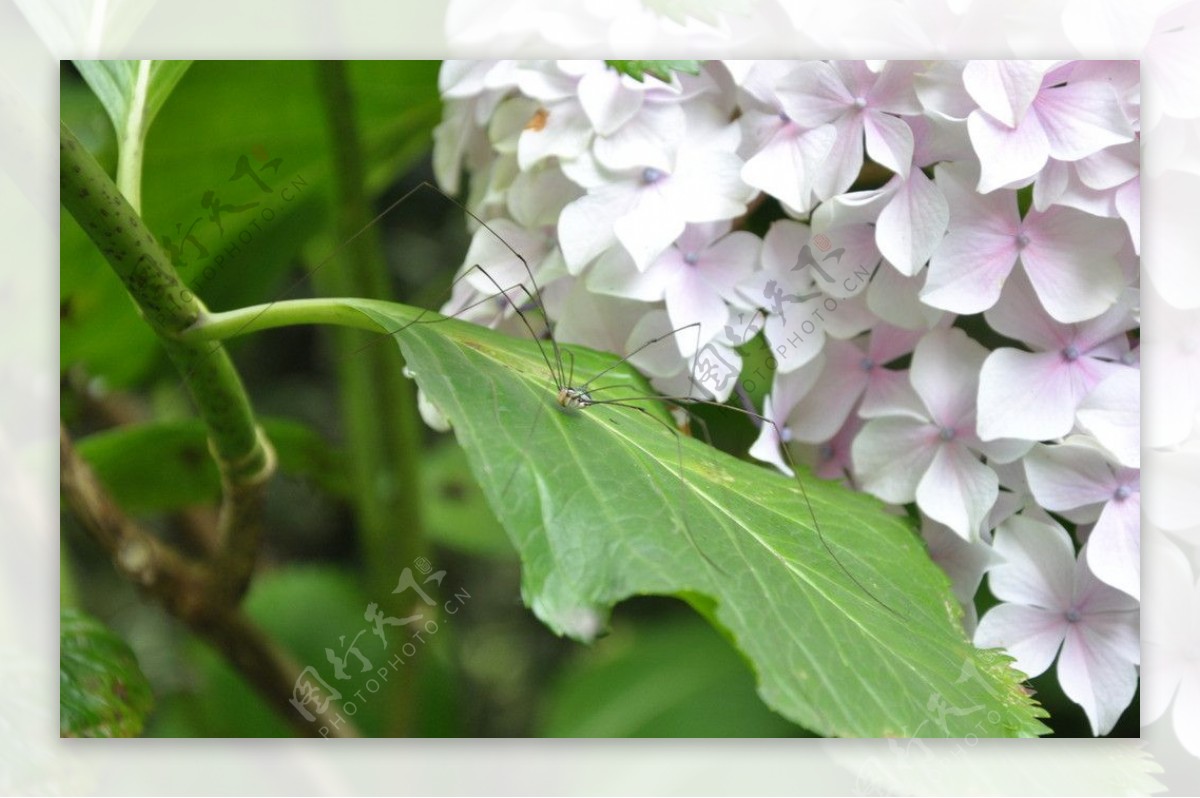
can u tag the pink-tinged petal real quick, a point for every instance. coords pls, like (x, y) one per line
(889, 141)
(647, 229)
(1109, 167)
(1095, 676)
(963, 561)
(789, 389)
(1031, 635)
(1005, 89)
(730, 260)
(781, 246)
(1025, 395)
(1006, 154)
(785, 167)
(1002, 450)
(893, 90)
(833, 459)
(585, 227)
(707, 186)
(691, 301)
(814, 94)
(490, 250)
(842, 165)
(1103, 336)
(1111, 412)
(958, 490)
(1052, 184)
(887, 343)
(648, 139)
(823, 411)
(896, 299)
(1071, 260)
(912, 224)
(843, 260)
(606, 101)
(648, 345)
(1129, 206)
(795, 338)
(1038, 564)
(851, 317)
(891, 455)
(1114, 547)
(768, 448)
(968, 269)
(941, 91)
(890, 394)
(1019, 315)
(1081, 118)
(944, 373)
(615, 274)
(1069, 476)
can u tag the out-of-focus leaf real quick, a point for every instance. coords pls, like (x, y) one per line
(312, 612)
(665, 679)
(457, 514)
(166, 465)
(232, 130)
(102, 691)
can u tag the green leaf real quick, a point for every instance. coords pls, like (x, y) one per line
(595, 505)
(675, 679)
(655, 69)
(132, 92)
(457, 513)
(102, 691)
(165, 465)
(221, 112)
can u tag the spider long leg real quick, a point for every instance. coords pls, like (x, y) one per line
(679, 459)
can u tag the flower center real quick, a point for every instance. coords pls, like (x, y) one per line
(860, 102)
(1073, 615)
(866, 364)
(1122, 493)
(784, 118)
(650, 175)
(1070, 353)
(1022, 241)
(946, 434)
(691, 259)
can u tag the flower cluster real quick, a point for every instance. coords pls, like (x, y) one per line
(946, 276)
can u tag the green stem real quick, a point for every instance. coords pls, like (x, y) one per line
(129, 148)
(238, 445)
(336, 311)
(378, 404)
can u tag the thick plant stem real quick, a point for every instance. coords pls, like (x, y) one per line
(378, 403)
(182, 587)
(241, 450)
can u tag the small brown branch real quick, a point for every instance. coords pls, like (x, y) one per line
(194, 593)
